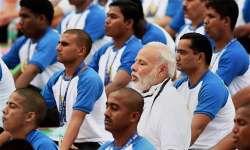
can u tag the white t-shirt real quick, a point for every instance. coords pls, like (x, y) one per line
(165, 120)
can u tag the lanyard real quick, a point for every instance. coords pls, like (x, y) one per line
(220, 53)
(130, 141)
(62, 98)
(158, 94)
(108, 68)
(28, 52)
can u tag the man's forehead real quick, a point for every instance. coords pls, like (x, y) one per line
(16, 98)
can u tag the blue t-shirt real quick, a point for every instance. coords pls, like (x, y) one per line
(45, 50)
(84, 91)
(40, 141)
(172, 7)
(229, 66)
(140, 143)
(153, 33)
(178, 20)
(92, 23)
(124, 60)
(212, 94)
(246, 11)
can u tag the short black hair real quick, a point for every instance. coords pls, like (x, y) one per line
(33, 102)
(83, 38)
(39, 7)
(225, 8)
(129, 10)
(201, 44)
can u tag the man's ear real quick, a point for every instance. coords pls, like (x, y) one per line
(135, 116)
(129, 23)
(30, 117)
(82, 51)
(42, 18)
(163, 69)
(227, 21)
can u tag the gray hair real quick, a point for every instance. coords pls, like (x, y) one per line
(166, 56)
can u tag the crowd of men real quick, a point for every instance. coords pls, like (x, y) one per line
(127, 75)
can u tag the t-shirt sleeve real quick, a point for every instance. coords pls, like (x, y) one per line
(128, 57)
(211, 99)
(45, 53)
(95, 24)
(172, 6)
(11, 59)
(246, 11)
(89, 89)
(47, 92)
(178, 21)
(230, 67)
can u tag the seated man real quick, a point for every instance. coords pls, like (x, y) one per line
(241, 130)
(24, 111)
(113, 61)
(123, 111)
(165, 120)
(205, 93)
(36, 50)
(230, 59)
(77, 93)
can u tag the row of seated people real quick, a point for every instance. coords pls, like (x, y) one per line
(197, 98)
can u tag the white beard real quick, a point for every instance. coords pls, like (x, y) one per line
(144, 84)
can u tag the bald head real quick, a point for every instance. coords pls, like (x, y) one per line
(131, 99)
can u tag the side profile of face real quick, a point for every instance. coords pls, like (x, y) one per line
(14, 114)
(193, 9)
(214, 24)
(67, 49)
(186, 58)
(115, 24)
(117, 114)
(241, 130)
(145, 69)
(29, 22)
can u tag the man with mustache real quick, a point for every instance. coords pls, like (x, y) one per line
(165, 120)
(113, 60)
(22, 115)
(194, 10)
(230, 59)
(77, 93)
(36, 50)
(123, 111)
(206, 96)
(241, 130)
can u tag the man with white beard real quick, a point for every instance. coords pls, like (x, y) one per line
(165, 120)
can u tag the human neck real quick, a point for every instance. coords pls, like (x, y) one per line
(197, 22)
(22, 133)
(119, 41)
(83, 7)
(71, 68)
(38, 35)
(122, 138)
(221, 43)
(195, 76)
